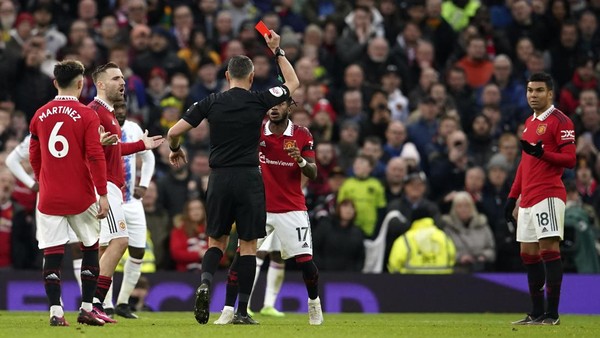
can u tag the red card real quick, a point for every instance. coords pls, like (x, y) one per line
(262, 29)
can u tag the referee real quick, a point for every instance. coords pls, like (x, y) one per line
(235, 189)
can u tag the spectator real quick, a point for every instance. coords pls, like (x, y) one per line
(478, 68)
(367, 193)
(7, 183)
(24, 25)
(524, 24)
(240, 10)
(159, 226)
(43, 16)
(481, 144)
(589, 33)
(459, 90)
(159, 54)
(325, 205)
(395, 172)
(471, 234)
(175, 188)
(583, 78)
(458, 13)
(326, 161)
(360, 28)
(563, 54)
(338, 242)
(423, 249)
(189, 241)
(183, 25)
(437, 30)
(391, 82)
(427, 78)
(448, 170)
(198, 52)
(347, 147)
(318, 11)
(139, 39)
(372, 147)
(422, 131)
(396, 142)
(135, 89)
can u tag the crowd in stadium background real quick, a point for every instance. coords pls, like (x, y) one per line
(431, 92)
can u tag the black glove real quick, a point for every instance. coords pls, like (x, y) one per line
(535, 150)
(511, 203)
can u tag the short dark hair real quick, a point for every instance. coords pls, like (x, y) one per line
(240, 66)
(120, 105)
(542, 77)
(66, 71)
(101, 69)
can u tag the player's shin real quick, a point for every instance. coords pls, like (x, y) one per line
(90, 270)
(53, 257)
(310, 274)
(131, 275)
(535, 278)
(554, 274)
(275, 277)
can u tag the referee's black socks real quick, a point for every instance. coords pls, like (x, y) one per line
(554, 274)
(246, 267)
(536, 277)
(210, 263)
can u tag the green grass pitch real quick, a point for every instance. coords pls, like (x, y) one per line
(182, 324)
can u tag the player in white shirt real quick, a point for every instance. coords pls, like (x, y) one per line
(14, 162)
(134, 213)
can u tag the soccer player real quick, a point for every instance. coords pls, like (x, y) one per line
(271, 246)
(14, 162)
(67, 160)
(134, 213)
(286, 153)
(114, 234)
(548, 144)
(235, 188)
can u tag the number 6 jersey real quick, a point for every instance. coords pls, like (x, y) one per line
(66, 156)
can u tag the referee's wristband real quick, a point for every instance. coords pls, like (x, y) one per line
(302, 164)
(176, 149)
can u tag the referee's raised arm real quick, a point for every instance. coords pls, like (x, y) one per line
(291, 80)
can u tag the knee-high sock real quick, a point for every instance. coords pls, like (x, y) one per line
(53, 257)
(108, 301)
(90, 269)
(259, 263)
(231, 291)
(310, 274)
(554, 275)
(246, 272)
(77, 271)
(210, 263)
(131, 275)
(104, 283)
(275, 276)
(536, 279)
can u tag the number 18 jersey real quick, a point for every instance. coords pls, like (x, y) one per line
(66, 156)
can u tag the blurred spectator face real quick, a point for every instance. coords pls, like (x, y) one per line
(349, 135)
(481, 126)
(416, 12)
(158, 43)
(140, 37)
(372, 149)
(428, 77)
(137, 11)
(493, 114)
(170, 114)
(538, 7)
(414, 190)
(347, 211)
(195, 211)
(502, 69)
(464, 209)
(568, 36)
(447, 126)
(24, 29)
(335, 182)
(262, 67)
(378, 50)
(314, 92)
(362, 167)
(456, 80)
(35, 52)
(521, 11)
(491, 95)
(395, 171)
(234, 48)
(301, 118)
(497, 176)
(586, 72)
(120, 57)
(429, 111)
(78, 31)
(456, 139)
(4, 120)
(474, 179)
(411, 33)
(509, 148)
(272, 21)
(299, 95)
(583, 174)
(87, 49)
(362, 19)
(7, 184)
(438, 92)
(224, 23)
(524, 49)
(157, 84)
(209, 6)
(42, 17)
(433, 8)
(588, 97)
(324, 153)
(353, 76)
(588, 24)
(87, 10)
(199, 165)
(395, 134)
(535, 63)
(590, 117)
(390, 81)
(559, 10)
(476, 49)
(151, 196)
(108, 27)
(424, 54)
(313, 35)
(353, 103)
(330, 33)
(180, 86)
(208, 73)
(8, 14)
(183, 18)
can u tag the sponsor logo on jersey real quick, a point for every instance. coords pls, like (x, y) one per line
(567, 134)
(277, 91)
(541, 129)
(122, 225)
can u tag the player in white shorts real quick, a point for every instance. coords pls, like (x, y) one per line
(14, 162)
(542, 220)
(133, 212)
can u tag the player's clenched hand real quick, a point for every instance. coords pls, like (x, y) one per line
(152, 142)
(294, 152)
(102, 207)
(533, 150)
(106, 138)
(139, 192)
(177, 158)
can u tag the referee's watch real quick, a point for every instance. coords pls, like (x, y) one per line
(279, 52)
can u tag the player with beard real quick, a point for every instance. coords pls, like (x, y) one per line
(286, 153)
(110, 85)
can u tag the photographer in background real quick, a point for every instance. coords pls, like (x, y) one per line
(448, 169)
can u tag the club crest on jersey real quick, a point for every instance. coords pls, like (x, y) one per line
(276, 91)
(122, 225)
(289, 144)
(541, 129)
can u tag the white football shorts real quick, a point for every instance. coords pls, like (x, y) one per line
(292, 229)
(53, 230)
(136, 223)
(542, 220)
(113, 226)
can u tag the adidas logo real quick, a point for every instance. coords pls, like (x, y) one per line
(305, 245)
(53, 276)
(87, 273)
(262, 144)
(544, 230)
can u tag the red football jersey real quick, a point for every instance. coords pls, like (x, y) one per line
(114, 152)
(540, 178)
(281, 173)
(64, 148)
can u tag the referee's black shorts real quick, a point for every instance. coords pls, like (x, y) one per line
(236, 195)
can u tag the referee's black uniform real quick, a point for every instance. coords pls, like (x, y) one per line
(235, 187)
